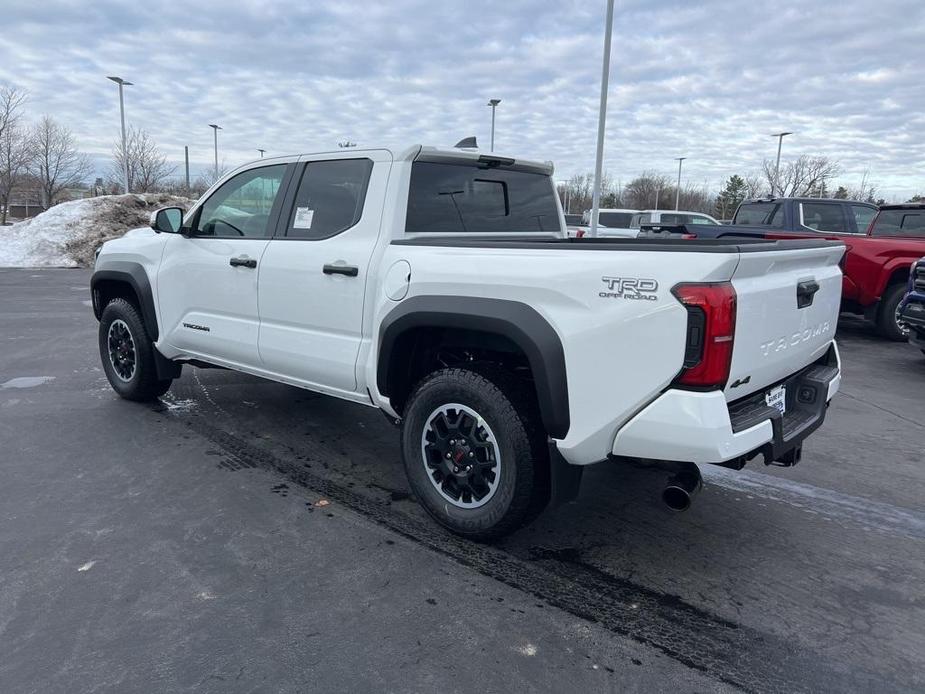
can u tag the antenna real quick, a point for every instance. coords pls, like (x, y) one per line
(467, 143)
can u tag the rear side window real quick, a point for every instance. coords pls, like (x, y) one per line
(461, 198)
(760, 214)
(862, 216)
(824, 216)
(615, 220)
(674, 219)
(330, 198)
(908, 222)
(641, 218)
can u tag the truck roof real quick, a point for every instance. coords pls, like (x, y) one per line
(428, 153)
(804, 199)
(904, 206)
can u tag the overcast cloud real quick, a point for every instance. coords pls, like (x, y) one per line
(709, 80)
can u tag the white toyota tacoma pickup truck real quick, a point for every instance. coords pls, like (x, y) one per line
(439, 285)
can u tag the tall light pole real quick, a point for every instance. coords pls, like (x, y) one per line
(494, 104)
(677, 195)
(122, 83)
(215, 129)
(261, 152)
(780, 141)
(601, 119)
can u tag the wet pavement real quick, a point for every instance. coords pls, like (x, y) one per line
(243, 535)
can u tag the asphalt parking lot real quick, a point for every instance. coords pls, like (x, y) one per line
(242, 535)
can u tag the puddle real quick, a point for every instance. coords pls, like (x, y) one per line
(27, 381)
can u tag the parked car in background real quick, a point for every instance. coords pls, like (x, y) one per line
(670, 217)
(878, 258)
(912, 308)
(611, 223)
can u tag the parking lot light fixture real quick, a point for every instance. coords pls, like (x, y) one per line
(261, 152)
(601, 120)
(677, 195)
(494, 104)
(215, 129)
(776, 185)
(122, 83)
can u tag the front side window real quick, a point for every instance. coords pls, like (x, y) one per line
(862, 216)
(461, 198)
(330, 198)
(823, 216)
(907, 222)
(241, 206)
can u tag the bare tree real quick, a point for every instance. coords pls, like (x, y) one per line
(147, 167)
(14, 145)
(55, 161)
(801, 177)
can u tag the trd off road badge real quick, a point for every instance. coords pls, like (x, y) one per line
(633, 288)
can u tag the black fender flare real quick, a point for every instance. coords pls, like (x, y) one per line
(514, 320)
(134, 275)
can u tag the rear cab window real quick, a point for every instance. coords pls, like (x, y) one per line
(908, 222)
(760, 214)
(463, 197)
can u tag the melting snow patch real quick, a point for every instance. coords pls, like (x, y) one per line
(27, 381)
(68, 234)
(528, 650)
(87, 566)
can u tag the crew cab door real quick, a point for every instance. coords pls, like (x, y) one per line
(207, 281)
(314, 271)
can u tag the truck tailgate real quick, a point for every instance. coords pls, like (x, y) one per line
(787, 312)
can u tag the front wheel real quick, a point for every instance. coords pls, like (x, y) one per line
(127, 353)
(888, 321)
(474, 454)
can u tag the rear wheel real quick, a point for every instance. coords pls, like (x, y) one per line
(888, 322)
(473, 452)
(127, 353)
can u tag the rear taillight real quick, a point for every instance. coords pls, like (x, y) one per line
(711, 322)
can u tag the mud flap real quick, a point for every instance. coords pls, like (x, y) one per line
(564, 478)
(165, 367)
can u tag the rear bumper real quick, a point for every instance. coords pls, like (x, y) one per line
(698, 427)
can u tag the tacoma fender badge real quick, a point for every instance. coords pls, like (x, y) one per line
(193, 326)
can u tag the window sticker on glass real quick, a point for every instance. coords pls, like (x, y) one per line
(303, 218)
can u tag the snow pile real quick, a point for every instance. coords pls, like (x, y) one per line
(67, 235)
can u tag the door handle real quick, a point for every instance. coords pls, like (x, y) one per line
(243, 262)
(349, 270)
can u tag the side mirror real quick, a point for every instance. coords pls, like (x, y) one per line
(168, 220)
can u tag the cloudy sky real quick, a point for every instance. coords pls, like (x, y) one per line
(710, 80)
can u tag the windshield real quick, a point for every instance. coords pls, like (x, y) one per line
(460, 198)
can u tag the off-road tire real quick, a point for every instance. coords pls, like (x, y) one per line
(508, 407)
(142, 383)
(886, 314)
